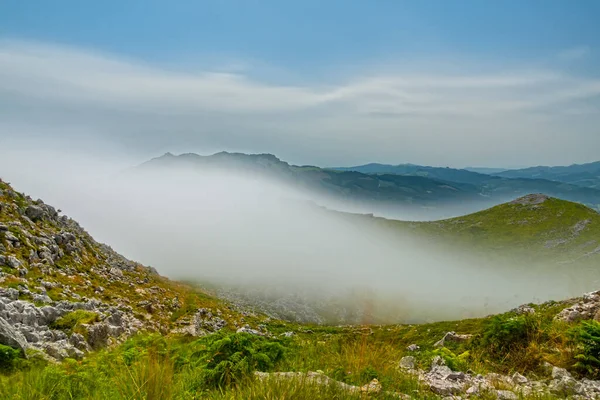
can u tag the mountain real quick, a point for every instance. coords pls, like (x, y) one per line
(356, 187)
(447, 190)
(587, 175)
(485, 170)
(444, 174)
(64, 294)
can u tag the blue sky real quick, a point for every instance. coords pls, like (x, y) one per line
(343, 60)
(312, 34)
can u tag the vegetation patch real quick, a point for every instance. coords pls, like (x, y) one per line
(70, 322)
(587, 341)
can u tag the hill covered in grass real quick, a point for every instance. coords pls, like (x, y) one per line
(535, 225)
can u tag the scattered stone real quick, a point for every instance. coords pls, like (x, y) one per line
(523, 309)
(519, 379)
(247, 329)
(373, 387)
(472, 390)
(11, 237)
(407, 362)
(413, 347)
(506, 395)
(12, 262)
(452, 337)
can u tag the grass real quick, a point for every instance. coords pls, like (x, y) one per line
(221, 366)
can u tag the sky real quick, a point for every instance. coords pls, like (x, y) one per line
(499, 84)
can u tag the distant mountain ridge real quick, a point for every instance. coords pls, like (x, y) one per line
(407, 184)
(586, 175)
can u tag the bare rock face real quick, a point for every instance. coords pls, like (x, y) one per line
(24, 325)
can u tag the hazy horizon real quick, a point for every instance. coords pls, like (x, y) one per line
(423, 82)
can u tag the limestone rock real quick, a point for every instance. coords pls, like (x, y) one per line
(34, 213)
(11, 337)
(407, 362)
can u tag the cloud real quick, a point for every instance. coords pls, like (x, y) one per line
(575, 53)
(70, 88)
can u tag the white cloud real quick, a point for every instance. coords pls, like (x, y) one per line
(575, 53)
(370, 115)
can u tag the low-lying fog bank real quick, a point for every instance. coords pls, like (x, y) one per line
(266, 245)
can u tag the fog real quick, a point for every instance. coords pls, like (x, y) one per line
(250, 236)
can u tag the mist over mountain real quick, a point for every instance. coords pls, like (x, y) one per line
(402, 191)
(586, 175)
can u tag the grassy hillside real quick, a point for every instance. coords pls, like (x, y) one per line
(537, 225)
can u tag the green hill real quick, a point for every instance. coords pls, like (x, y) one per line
(536, 227)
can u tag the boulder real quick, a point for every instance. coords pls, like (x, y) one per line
(34, 213)
(98, 335)
(9, 336)
(559, 373)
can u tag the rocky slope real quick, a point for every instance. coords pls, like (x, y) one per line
(63, 293)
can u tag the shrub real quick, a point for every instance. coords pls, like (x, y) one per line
(503, 335)
(513, 343)
(227, 358)
(587, 340)
(9, 358)
(453, 361)
(368, 374)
